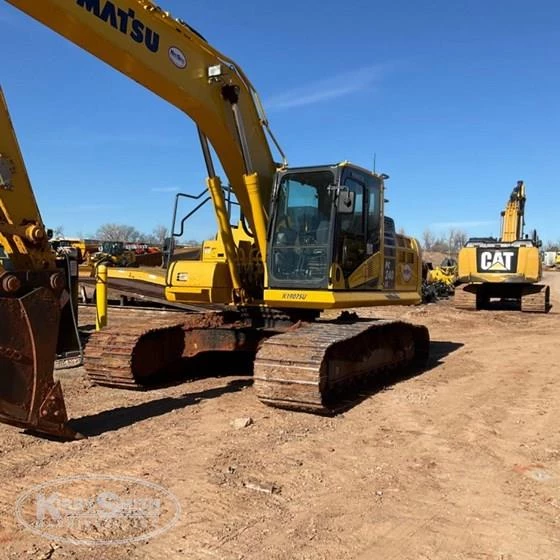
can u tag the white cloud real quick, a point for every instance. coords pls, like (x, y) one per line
(333, 87)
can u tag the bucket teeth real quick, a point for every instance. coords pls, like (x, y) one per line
(52, 415)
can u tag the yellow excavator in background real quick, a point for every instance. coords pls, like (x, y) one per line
(311, 238)
(508, 268)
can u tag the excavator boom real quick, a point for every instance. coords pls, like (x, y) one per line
(173, 61)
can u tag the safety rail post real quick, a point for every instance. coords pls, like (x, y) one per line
(100, 296)
(174, 234)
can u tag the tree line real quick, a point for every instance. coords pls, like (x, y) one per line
(551, 246)
(129, 234)
(454, 239)
(449, 242)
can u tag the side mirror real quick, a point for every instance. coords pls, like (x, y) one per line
(346, 202)
(50, 234)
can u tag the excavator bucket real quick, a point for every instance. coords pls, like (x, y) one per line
(29, 396)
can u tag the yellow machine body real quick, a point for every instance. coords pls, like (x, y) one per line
(113, 253)
(508, 268)
(176, 63)
(312, 238)
(500, 263)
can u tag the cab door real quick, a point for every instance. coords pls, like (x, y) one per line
(351, 227)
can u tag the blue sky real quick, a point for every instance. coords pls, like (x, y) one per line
(458, 100)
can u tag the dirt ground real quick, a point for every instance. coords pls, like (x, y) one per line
(461, 461)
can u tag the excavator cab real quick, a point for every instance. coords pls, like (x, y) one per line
(326, 223)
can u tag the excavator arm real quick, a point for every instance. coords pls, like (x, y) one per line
(513, 215)
(22, 233)
(32, 292)
(172, 60)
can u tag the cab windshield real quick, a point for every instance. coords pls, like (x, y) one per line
(301, 236)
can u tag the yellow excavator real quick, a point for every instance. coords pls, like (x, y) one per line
(311, 238)
(508, 268)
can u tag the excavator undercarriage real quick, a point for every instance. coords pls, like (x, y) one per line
(301, 363)
(529, 298)
(316, 367)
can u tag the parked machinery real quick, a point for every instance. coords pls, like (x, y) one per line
(508, 268)
(440, 281)
(114, 253)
